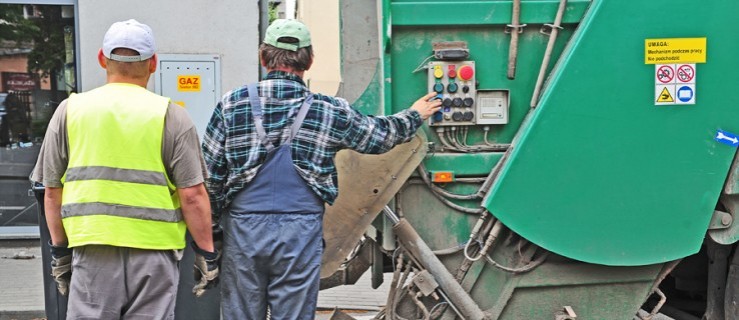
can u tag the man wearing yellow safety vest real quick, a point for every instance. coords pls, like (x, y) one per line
(124, 180)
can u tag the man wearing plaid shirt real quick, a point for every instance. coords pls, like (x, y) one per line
(269, 150)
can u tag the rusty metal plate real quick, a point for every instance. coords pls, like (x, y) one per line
(366, 184)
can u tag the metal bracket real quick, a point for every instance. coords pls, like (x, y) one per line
(425, 283)
(722, 228)
(662, 300)
(547, 28)
(567, 313)
(720, 220)
(451, 50)
(509, 27)
(338, 315)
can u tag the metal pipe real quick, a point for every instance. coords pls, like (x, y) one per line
(718, 256)
(415, 246)
(548, 53)
(515, 30)
(493, 146)
(731, 309)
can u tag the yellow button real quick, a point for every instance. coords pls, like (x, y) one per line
(438, 73)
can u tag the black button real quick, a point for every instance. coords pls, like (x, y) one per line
(468, 116)
(447, 102)
(457, 102)
(468, 102)
(457, 116)
(465, 89)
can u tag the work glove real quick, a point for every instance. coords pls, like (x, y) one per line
(206, 269)
(218, 239)
(61, 267)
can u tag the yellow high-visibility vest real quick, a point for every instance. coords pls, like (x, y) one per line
(116, 189)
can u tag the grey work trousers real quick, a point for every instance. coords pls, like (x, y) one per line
(122, 283)
(271, 260)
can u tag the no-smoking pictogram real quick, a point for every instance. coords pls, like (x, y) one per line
(665, 74)
(685, 73)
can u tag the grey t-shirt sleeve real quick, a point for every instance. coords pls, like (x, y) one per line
(181, 149)
(53, 157)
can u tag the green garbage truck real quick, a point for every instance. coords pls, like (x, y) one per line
(582, 166)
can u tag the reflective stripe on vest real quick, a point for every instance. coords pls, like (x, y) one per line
(116, 190)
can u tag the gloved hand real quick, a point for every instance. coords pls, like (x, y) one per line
(206, 269)
(218, 239)
(61, 267)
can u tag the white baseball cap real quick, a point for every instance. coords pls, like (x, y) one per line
(129, 34)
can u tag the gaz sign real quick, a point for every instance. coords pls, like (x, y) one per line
(188, 83)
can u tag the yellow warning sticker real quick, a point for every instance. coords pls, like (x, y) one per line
(675, 50)
(665, 96)
(188, 83)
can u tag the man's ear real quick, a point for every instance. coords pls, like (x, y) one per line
(153, 63)
(102, 60)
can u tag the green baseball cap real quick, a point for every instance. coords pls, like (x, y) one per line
(281, 28)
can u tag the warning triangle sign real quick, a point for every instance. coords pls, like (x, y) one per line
(665, 96)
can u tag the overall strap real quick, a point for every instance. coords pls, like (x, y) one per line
(301, 116)
(256, 109)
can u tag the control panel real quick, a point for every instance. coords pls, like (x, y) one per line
(454, 84)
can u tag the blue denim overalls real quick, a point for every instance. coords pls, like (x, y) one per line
(273, 236)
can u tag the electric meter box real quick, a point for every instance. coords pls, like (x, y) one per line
(492, 106)
(192, 81)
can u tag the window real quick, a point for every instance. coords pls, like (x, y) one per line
(37, 72)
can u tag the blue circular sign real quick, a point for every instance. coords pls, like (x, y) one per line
(685, 93)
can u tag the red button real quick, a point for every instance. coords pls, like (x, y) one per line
(452, 72)
(466, 72)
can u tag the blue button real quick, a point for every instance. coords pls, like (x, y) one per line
(438, 116)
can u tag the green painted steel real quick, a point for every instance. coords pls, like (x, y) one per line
(478, 164)
(594, 291)
(601, 174)
(408, 30)
(409, 46)
(446, 13)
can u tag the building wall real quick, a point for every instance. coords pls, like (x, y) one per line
(229, 28)
(322, 18)
(14, 63)
(19, 63)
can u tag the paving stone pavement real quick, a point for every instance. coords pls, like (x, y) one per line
(21, 282)
(359, 296)
(22, 293)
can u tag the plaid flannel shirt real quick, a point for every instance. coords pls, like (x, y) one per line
(233, 153)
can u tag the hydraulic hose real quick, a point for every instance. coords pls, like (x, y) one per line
(450, 288)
